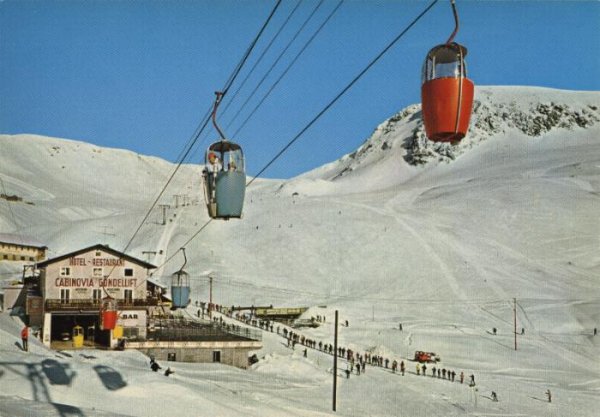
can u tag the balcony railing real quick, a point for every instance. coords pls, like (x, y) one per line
(87, 304)
(189, 331)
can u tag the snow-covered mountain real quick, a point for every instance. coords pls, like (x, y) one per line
(438, 237)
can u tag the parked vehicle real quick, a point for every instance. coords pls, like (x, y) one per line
(423, 357)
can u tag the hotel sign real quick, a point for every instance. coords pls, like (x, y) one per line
(96, 262)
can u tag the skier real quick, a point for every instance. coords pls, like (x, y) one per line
(394, 366)
(444, 373)
(418, 369)
(494, 397)
(472, 383)
(347, 374)
(25, 338)
(402, 367)
(549, 394)
(439, 373)
(154, 365)
(595, 331)
(453, 375)
(169, 372)
(522, 330)
(305, 351)
(400, 326)
(462, 377)
(433, 372)
(494, 330)
(424, 369)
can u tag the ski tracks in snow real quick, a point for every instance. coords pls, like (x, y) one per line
(432, 252)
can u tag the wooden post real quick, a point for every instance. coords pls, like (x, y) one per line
(210, 304)
(335, 353)
(515, 319)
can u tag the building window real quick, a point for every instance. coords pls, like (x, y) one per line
(128, 296)
(5, 256)
(98, 272)
(31, 259)
(65, 271)
(22, 258)
(98, 253)
(172, 357)
(65, 295)
(216, 356)
(96, 295)
(128, 272)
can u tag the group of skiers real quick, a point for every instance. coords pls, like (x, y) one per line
(156, 367)
(357, 362)
(443, 373)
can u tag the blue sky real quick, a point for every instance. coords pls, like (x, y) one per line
(140, 75)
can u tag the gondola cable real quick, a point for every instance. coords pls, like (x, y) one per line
(279, 57)
(325, 109)
(259, 60)
(203, 124)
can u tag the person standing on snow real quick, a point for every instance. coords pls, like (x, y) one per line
(402, 367)
(549, 395)
(462, 377)
(424, 367)
(25, 338)
(418, 369)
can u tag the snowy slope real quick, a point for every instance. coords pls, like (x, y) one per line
(437, 237)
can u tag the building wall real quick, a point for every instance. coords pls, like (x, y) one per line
(133, 323)
(15, 252)
(88, 271)
(234, 356)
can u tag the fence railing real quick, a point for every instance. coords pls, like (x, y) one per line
(187, 330)
(53, 304)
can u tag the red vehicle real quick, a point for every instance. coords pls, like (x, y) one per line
(423, 357)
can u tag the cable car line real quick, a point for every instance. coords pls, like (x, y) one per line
(298, 32)
(344, 90)
(327, 107)
(249, 51)
(203, 124)
(262, 56)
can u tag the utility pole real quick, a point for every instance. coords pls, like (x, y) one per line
(515, 319)
(148, 253)
(335, 355)
(164, 208)
(210, 304)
